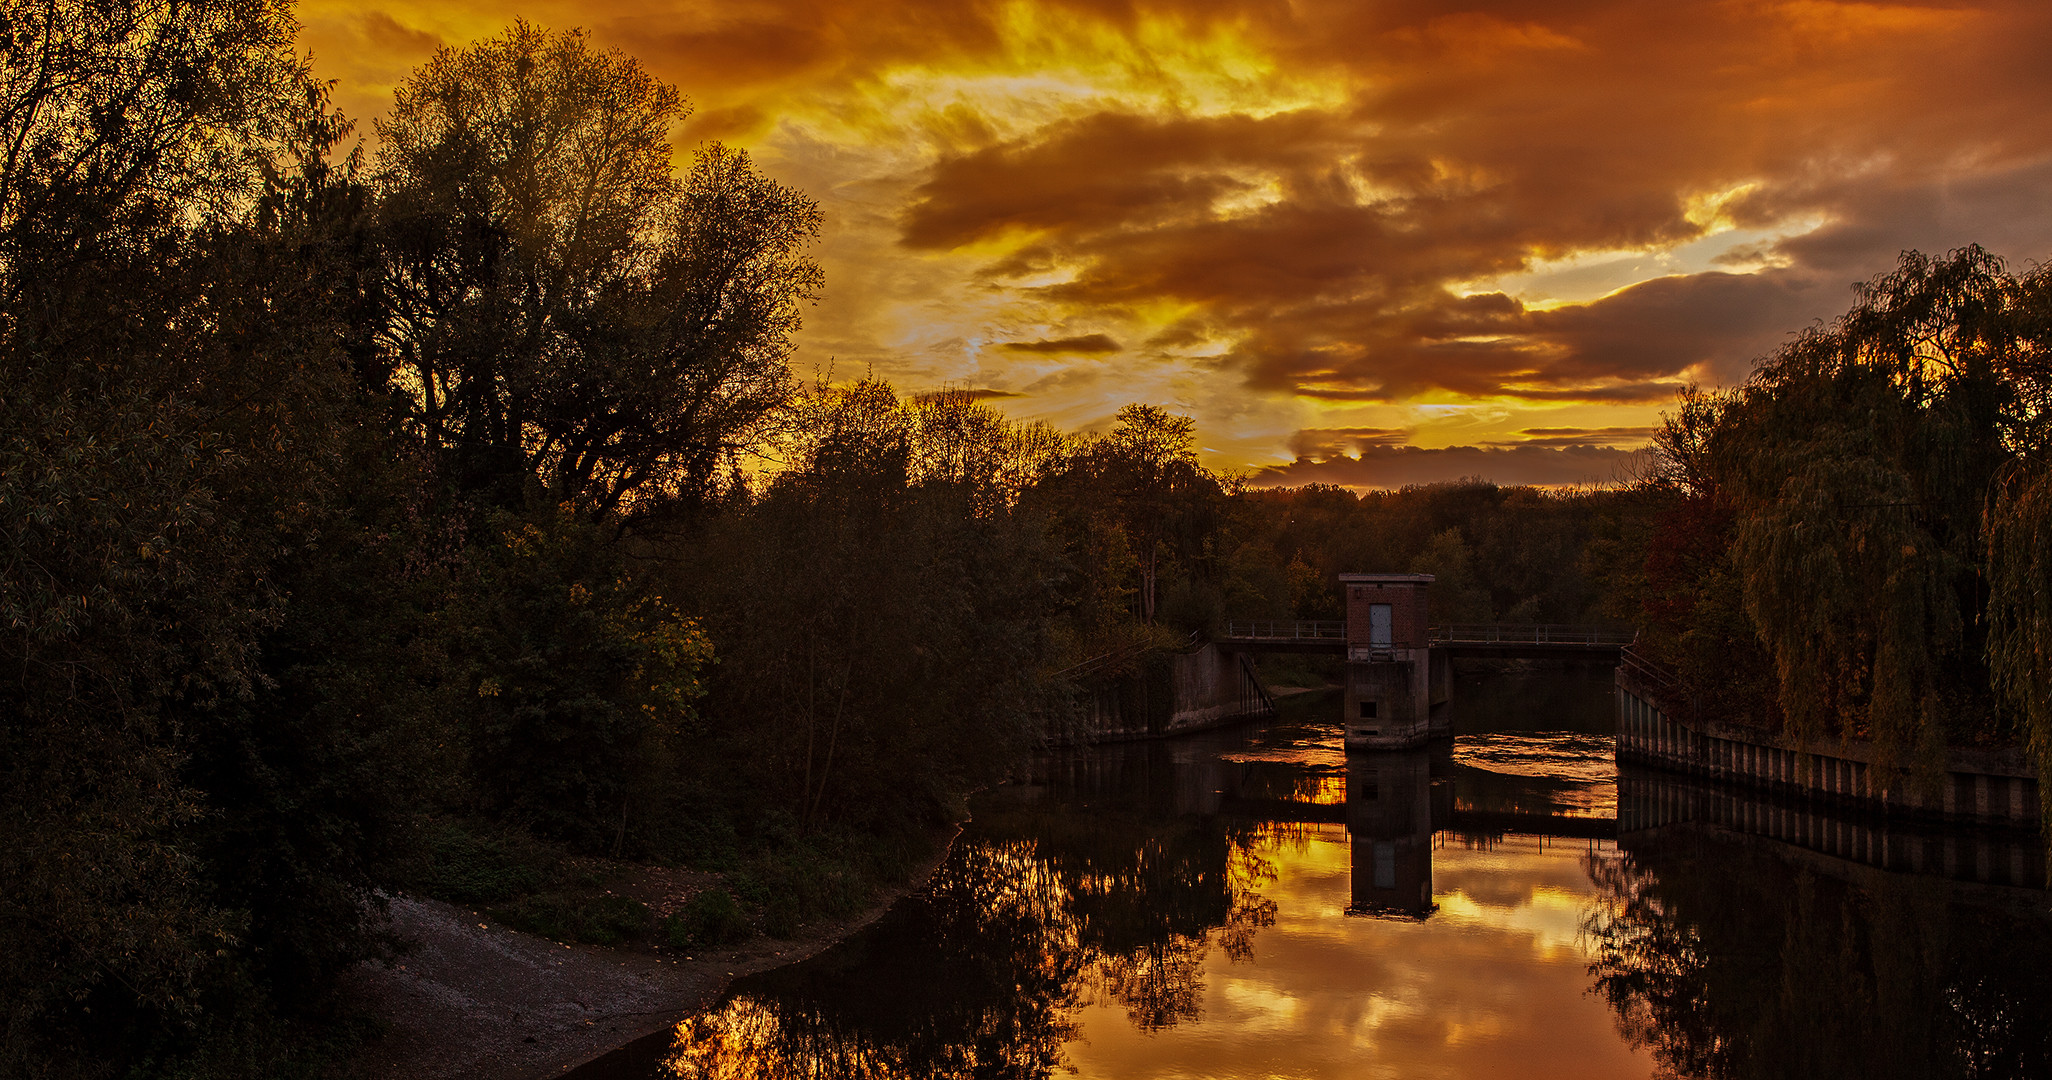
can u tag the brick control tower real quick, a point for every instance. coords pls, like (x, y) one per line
(1389, 661)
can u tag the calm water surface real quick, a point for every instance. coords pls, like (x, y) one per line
(1255, 902)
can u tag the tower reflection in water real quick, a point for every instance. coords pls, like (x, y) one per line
(1392, 796)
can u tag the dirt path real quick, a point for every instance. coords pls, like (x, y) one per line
(477, 1001)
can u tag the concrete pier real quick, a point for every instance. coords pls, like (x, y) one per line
(1390, 699)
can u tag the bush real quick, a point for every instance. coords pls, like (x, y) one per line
(800, 884)
(710, 918)
(467, 868)
(591, 920)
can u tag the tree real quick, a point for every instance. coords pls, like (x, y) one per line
(1455, 596)
(958, 441)
(119, 119)
(1135, 502)
(879, 622)
(174, 418)
(566, 313)
(584, 684)
(2019, 531)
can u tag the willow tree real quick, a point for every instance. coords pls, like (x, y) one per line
(1859, 458)
(566, 311)
(2019, 534)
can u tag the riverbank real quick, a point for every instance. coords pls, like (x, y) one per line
(476, 1000)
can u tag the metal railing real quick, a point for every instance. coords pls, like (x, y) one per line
(1656, 676)
(1529, 634)
(1117, 658)
(1287, 630)
(1252, 680)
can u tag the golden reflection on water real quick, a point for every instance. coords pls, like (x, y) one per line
(1494, 982)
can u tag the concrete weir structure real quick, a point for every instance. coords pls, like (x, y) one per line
(1397, 685)
(1398, 669)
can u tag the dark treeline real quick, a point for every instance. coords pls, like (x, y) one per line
(1498, 554)
(372, 521)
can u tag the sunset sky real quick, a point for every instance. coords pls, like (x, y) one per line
(1361, 243)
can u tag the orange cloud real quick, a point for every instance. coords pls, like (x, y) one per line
(1516, 223)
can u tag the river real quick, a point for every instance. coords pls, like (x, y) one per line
(1255, 902)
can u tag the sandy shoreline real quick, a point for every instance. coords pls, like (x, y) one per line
(475, 1000)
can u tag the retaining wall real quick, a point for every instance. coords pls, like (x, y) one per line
(1979, 786)
(1168, 694)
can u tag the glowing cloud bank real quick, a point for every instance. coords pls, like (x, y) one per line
(1463, 226)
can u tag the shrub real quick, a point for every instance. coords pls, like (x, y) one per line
(592, 920)
(710, 918)
(467, 868)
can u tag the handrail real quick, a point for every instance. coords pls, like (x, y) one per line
(1529, 634)
(1661, 677)
(1287, 630)
(1248, 673)
(1117, 656)
(1449, 634)
(1104, 660)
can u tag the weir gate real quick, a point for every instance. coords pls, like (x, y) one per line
(1399, 667)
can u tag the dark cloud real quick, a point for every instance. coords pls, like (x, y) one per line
(735, 52)
(1573, 436)
(1322, 443)
(720, 124)
(818, 42)
(387, 33)
(1663, 327)
(1089, 343)
(1105, 171)
(979, 393)
(1382, 466)
(1870, 222)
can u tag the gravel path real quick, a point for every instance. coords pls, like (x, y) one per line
(474, 1000)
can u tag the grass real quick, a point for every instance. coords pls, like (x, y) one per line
(528, 885)
(1298, 670)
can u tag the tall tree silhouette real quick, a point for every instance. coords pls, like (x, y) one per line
(568, 314)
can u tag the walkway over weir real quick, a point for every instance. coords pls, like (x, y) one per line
(1500, 640)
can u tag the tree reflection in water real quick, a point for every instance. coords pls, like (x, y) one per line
(1033, 916)
(1728, 961)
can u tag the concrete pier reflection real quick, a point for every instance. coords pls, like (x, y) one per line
(1390, 820)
